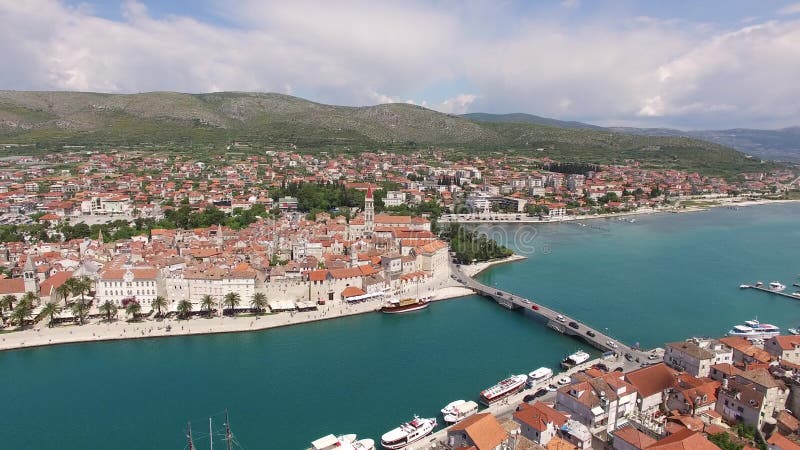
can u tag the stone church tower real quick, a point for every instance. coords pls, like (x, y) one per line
(369, 212)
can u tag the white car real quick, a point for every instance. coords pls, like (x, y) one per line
(611, 344)
(560, 318)
(564, 380)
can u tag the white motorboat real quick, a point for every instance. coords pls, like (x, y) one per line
(539, 375)
(575, 359)
(407, 433)
(776, 286)
(344, 442)
(503, 389)
(461, 412)
(451, 407)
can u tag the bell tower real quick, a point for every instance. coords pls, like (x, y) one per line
(369, 212)
(29, 275)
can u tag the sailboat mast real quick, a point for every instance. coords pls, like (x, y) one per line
(189, 436)
(210, 435)
(228, 435)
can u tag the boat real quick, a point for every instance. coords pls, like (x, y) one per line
(744, 286)
(753, 329)
(575, 359)
(345, 442)
(539, 375)
(451, 407)
(461, 412)
(795, 294)
(503, 389)
(759, 284)
(408, 432)
(395, 306)
(776, 286)
(793, 330)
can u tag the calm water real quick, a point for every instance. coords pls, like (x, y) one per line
(662, 278)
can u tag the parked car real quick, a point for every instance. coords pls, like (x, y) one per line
(564, 380)
(539, 393)
(590, 333)
(535, 307)
(628, 356)
(574, 325)
(652, 357)
(499, 293)
(601, 366)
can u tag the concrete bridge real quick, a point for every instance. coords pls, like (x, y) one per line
(554, 319)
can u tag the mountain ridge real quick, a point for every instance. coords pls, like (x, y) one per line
(53, 119)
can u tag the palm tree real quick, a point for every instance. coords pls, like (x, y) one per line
(207, 304)
(158, 304)
(232, 300)
(108, 309)
(259, 302)
(21, 313)
(7, 304)
(30, 298)
(64, 291)
(133, 309)
(81, 286)
(184, 308)
(50, 310)
(80, 309)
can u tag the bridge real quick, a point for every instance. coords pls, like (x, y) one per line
(554, 319)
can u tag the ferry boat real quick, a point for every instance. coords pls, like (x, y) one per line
(395, 306)
(408, 432)
(461, 412)
(776, 286)
(503, 389)
(539, 375)
(575, 359)
(345, 442)
(753, 329)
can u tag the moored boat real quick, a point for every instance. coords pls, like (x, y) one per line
(395, 306)
(793, 330)
(575, 359)
(407, 433)
(539, 375)
(344, 442)
(451, 407)
(461, 412)
(503, 389)
(776, 286)
(753, 329)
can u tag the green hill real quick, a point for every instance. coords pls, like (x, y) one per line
(53, 119)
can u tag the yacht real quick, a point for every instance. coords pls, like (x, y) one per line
(503, 389)
(753, 329)
(461, 412)
(744, 286)
(395, 306)
(776, 286)
(575, 359)
(539, 375)
(759, 284)
(795, 294)
(346, 442)
(793, 330)
(451, 407)
(408, 432)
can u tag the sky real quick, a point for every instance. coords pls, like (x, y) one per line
(681, 63)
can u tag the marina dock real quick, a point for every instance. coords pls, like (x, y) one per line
(553, 319)
(770, 291)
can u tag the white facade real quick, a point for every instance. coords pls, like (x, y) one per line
(394, 198)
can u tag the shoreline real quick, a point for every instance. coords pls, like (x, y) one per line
(100, 331)
(473, 270)
(713, 203)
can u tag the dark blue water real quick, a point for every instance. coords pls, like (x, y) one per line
(662, 278)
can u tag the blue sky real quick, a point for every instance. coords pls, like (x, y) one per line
(679, 63)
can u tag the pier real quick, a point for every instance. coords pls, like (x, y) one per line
(553, 319)
(770, 291)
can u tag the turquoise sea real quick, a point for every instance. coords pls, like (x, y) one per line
(662, 278)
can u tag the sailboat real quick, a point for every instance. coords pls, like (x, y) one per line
(395, 306)
(229, 440)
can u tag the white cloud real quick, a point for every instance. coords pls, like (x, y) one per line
(570, 4)
(457, 105)
(358, 52)
(790, 9)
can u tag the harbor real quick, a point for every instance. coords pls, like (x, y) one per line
(416, 363)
